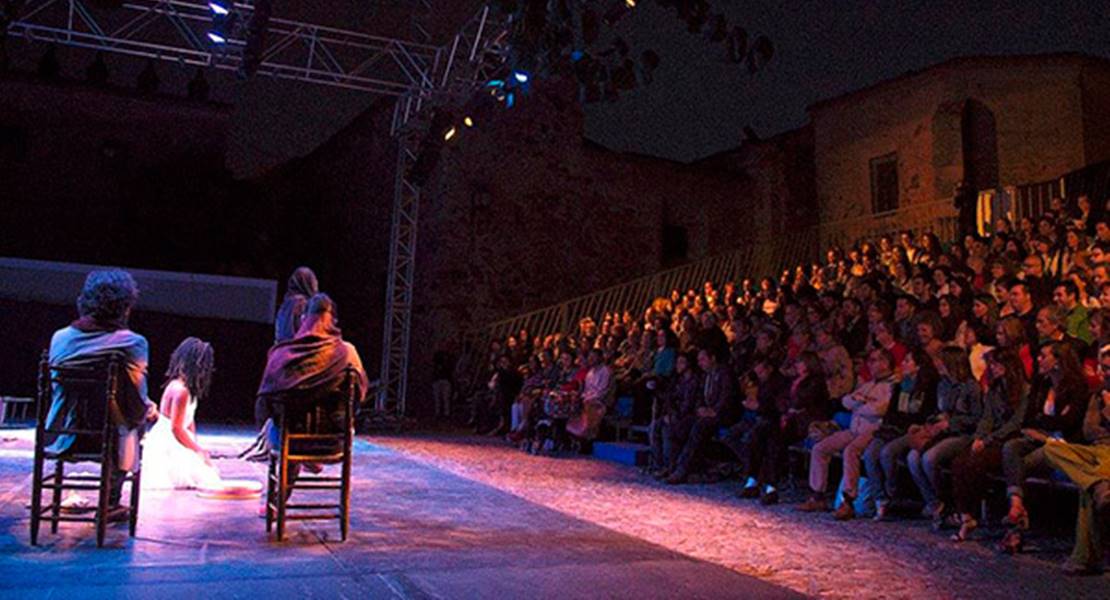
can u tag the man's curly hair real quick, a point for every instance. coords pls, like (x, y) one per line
(108, 295)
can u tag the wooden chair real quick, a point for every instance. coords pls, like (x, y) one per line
(92, 389)
(308, 422)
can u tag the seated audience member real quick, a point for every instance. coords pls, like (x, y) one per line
(1004, 412)
(836, 364)
(540, 373)
(505, 385)
(104, 307)
(554, 407)
(973, 342)
(1023, 305)
(662, 367)
(807, 400)
(676, 403)
(1061, 401)
(1088, 466)
(717, 408)
(1051, 327)
(595, 398)
(960, 408)
(868, 403)
(914, 400)
(754, 439)
(314, 362)
(1077, 319)
(1010, 333)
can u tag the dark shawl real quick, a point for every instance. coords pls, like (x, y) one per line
(314, 360)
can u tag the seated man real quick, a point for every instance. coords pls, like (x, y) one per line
(717, 408)
(675, 403)
(104, 306)
(314, 361)
(1089, 467)
(868, 403)
(755, 439)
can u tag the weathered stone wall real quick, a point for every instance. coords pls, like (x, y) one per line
(1036, 105)
(1096, 112)
(524, 213)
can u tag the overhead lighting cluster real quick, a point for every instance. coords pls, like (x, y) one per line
(224, 20)
(580, 38)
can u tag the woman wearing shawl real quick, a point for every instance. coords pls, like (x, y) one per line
(301, 286)
(316, 359)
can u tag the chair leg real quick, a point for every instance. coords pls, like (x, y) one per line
(345, 496)
(270, 495)
(56, 507)
(136, 486)
(283, 486)
(36, 494)
(102, 503)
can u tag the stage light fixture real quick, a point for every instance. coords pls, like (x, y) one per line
(521, 76)
(630, 3)
(450, 134)
(468, 122)
(223, 21)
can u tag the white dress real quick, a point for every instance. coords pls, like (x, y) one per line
(167, 464)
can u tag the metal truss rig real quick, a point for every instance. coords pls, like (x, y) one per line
(418, 74)
(177, 31)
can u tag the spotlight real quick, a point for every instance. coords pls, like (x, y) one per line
(630, 3)
(468, 122)
(450, 134)
(223, 21)
(520, 76)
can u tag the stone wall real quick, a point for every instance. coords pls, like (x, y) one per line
(1096, 112)
(524, 213)
(1034, 106)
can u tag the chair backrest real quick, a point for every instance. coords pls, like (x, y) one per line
(317, 410)
(90, 393)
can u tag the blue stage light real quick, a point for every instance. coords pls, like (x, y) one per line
(216, 38)
(509, 100)
(219, 9)
(496, 83)
(520, 76)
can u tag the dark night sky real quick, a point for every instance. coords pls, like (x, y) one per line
(698, 103)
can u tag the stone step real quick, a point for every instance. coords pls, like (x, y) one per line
(625, 453)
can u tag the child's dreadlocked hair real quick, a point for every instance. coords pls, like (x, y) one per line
(192, 362)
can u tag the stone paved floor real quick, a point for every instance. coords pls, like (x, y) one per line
(808, 553)
(418, 531)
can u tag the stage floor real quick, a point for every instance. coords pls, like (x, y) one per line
(417, 531)
(437, 516)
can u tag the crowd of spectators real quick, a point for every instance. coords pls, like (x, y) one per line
(978, 361)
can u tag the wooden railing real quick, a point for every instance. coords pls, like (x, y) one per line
(1033, 199)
